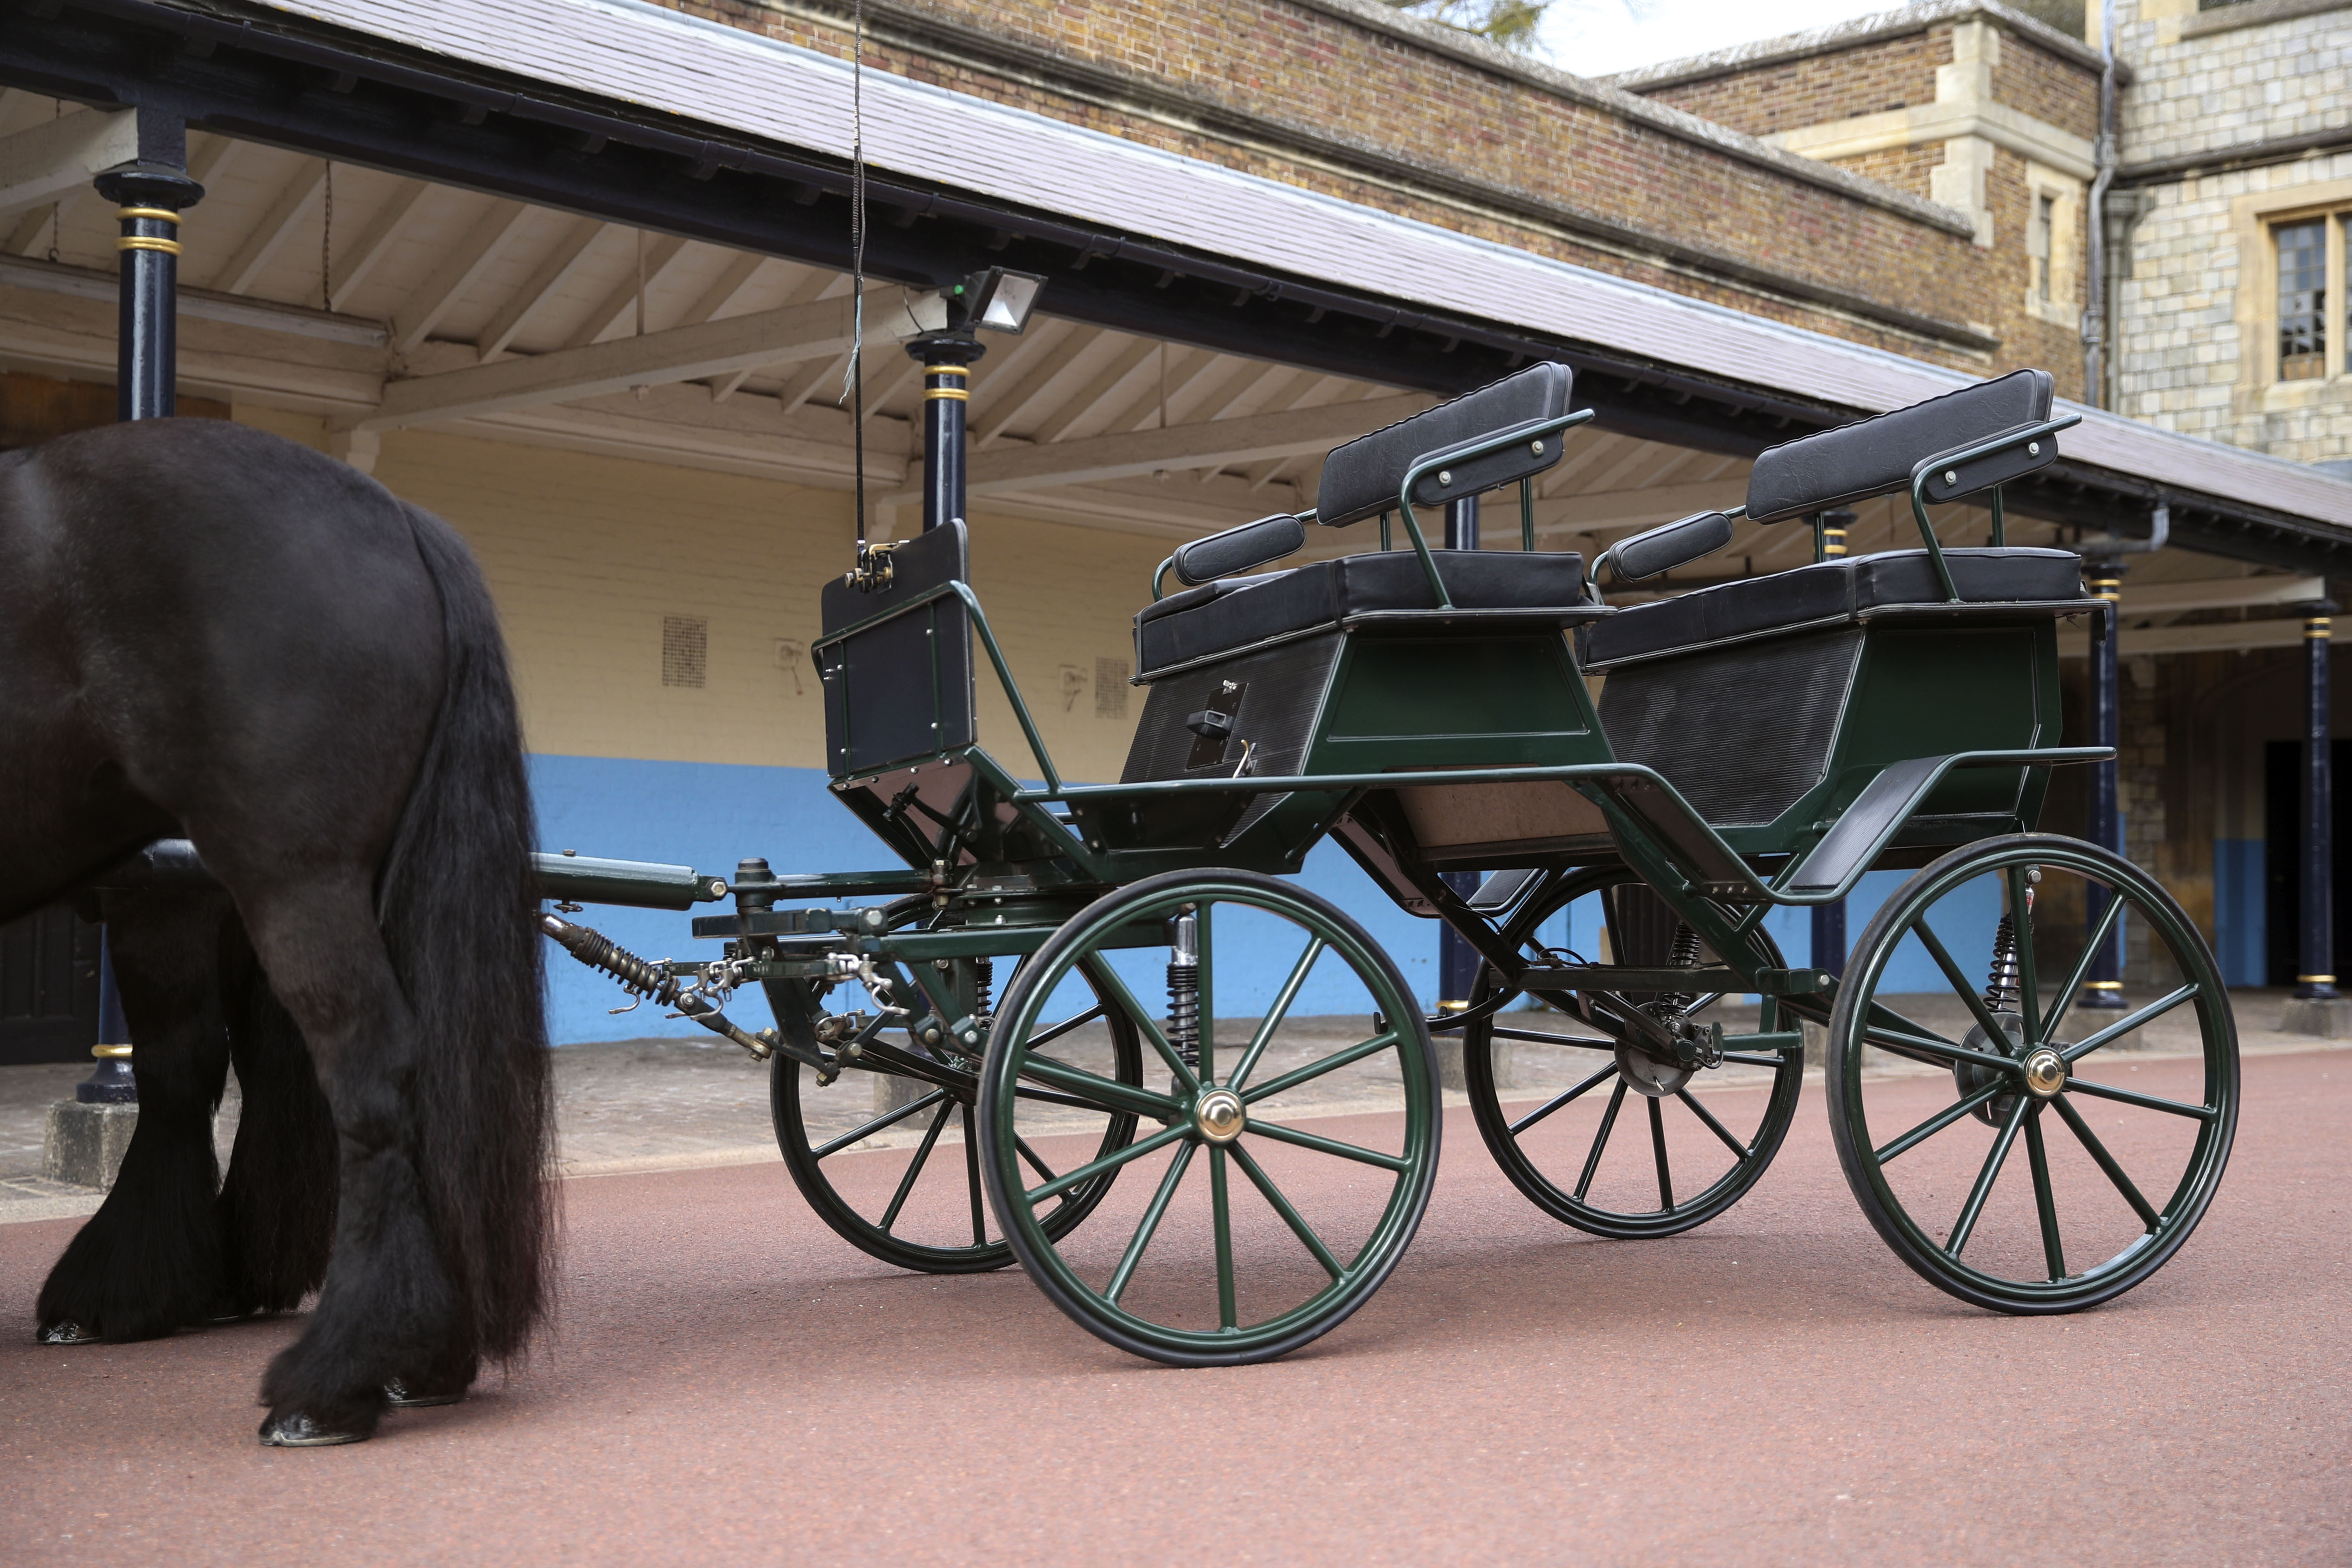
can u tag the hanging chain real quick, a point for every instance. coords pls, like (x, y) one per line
(856, 385)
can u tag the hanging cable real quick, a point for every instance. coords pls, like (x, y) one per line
(856, 385)
(327, 240)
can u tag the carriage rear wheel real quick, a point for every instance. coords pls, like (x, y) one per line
(2125, 1114)
(931, 1214)
(1242, 1235)
(1567, 1146)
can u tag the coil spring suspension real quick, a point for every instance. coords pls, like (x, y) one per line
(645, 978)
(984, 980)
(2003, 984)
(1684, 955)
(1185, 989)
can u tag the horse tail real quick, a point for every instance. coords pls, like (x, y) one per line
(455, 899)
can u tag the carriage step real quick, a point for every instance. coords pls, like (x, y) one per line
(1716, 977)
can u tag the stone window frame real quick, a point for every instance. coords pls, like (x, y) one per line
(2254, 220)
(2067, 195)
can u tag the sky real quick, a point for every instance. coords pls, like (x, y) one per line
(1595, 37)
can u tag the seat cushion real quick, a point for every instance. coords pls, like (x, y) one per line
(1238, 611)
(1826, 593)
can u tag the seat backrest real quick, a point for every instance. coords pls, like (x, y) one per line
(901, 685)
(1362, 478)
(1875, 456)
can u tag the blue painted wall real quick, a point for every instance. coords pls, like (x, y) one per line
(2241, 912)
(710, 814)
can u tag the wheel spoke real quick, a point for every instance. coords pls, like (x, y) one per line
(1937, 1050)
(1282, 1135)
(1961, 983)
(1221, 1210)
(2125, 1025)
(887, 1118)
(2145, 1102)
(2021, 929)
(1151, 1223)
(2065, 1000)
(1738, 1150)
(1111, 1162)
(1026, 1152)
(2106, 1162)
(2054, 1255)
(1532, 1116)
(1983, 1189)
(1600, 1140)
(1105, 1094)
(971, 1180)
(914, 1169)
(1290, 1216)
(1658, 1148)
(1332, 1063)
(1882, 1017)
(1753, 1062)
(1938, 1122)
(1038, 1042)
(1276, 1014)
(1108, 979)
(1047, 1097)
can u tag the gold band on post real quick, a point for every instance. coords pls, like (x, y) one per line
(2103, 986)
(946, 393)
(164, 215)
(140, 242)
(111, 1053)
(2315, 980)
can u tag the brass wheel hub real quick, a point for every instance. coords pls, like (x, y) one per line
(1220, 1115)
(2045, 1072)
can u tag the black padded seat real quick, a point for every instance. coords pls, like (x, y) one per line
(1236, 612)
(1828, 593)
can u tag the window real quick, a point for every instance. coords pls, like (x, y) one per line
(685, 649)
(2303, 300)
(2037, 244)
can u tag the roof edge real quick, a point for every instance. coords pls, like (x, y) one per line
(1595, 93)
(1850, 35)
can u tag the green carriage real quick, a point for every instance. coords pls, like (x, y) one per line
(1037, 984)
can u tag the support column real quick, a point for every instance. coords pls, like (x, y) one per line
(2317, 1007)
(1457, 960)
(947, 358)
(1829, 937)
(1461, 523)
(87, 1136)
(2104, 988)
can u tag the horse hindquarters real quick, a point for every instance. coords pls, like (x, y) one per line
(149, 1259)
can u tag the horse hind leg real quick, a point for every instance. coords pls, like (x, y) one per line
(150, 1260)
(277, 1208)
(389, 1311)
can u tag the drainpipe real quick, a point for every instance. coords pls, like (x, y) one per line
(2094, 305)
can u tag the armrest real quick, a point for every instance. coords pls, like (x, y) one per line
(1234, 552)
(1667, 546)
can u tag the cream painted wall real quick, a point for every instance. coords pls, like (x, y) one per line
(587, 554)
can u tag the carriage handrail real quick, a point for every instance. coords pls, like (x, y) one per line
(963, 590)
(1925, 470)
(1463, 454)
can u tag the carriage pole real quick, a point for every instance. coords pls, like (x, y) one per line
(946, 360)
(148, 195)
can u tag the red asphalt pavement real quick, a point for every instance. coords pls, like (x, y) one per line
(730, 1383)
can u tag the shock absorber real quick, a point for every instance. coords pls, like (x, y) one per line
(648, 979)
(1184, 989)
(984, 979)
(2002, 986)
(1684, 955)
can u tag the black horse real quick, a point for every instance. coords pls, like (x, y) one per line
(209, 632)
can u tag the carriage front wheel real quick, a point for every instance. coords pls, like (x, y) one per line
(1966, 1027)
(1288, 1121)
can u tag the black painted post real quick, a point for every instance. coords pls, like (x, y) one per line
(149, 196)
(946, 391)
(1457, 960)
(1829, 937)
(2315, 981)
(2104, 988)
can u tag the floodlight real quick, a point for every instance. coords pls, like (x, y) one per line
(1000, 299)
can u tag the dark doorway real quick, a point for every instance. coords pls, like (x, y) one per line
(2283, 856)
(48, 987)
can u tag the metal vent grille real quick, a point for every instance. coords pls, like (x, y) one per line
(685, 649)
(1110, 689)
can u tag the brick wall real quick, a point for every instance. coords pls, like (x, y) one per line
(2055, 91)
(1892, 73)
(1341, 107)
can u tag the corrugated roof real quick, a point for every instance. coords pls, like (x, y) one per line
(780, 93)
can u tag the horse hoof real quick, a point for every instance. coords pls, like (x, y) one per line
(65, 1331)
(299, 1431)
(397, 1395)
